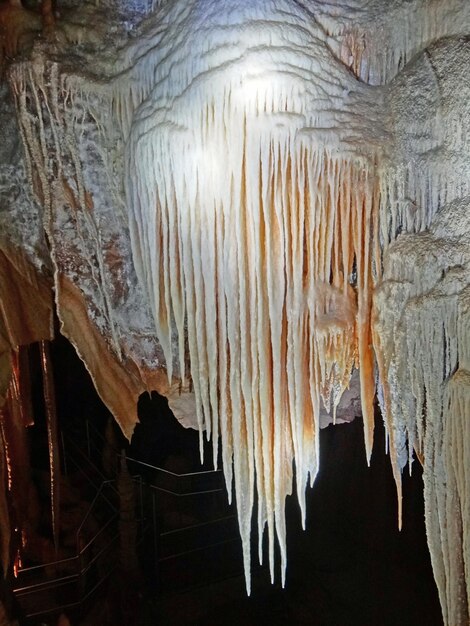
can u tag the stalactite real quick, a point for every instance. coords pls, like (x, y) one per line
(421, 331)
(17, 461)
(20, 385)
(95, 290)
(15, 416)
(5, 528)
(256, 312)
(405, 29)
(52, 438)
(247, 233)
(285, 312)
(286, 331)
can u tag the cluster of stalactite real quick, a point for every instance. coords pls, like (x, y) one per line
(268, 246)
(279, 171)
(421, 328)
(254, 238)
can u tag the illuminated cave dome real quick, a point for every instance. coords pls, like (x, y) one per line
(246, 205)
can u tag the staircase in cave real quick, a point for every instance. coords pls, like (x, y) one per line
(89, 505)
(187, 534)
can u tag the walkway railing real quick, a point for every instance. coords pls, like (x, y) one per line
(180, 517)
(67, 584)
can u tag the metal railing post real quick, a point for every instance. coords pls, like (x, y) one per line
(155, 536)
(64, 453)
(88, 444)
(141, 487)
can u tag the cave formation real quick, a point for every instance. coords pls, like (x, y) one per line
(244, 206)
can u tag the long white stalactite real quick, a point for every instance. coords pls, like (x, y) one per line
(421, 332)
(259, 152)
(247, 228)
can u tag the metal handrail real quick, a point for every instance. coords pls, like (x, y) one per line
(77, 449)
(85, 569)
(194, 550)
(95, 537)
(198, 525)
(82, 550)
(91, 426)
(115, 512)
(183, 495)
(93, 502)
(215, 472)
(30, 568)
(56, 609)
(165, 471)
(55, 582)
(78, 560)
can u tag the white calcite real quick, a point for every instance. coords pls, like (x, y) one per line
(248, 208)
(251, 204)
